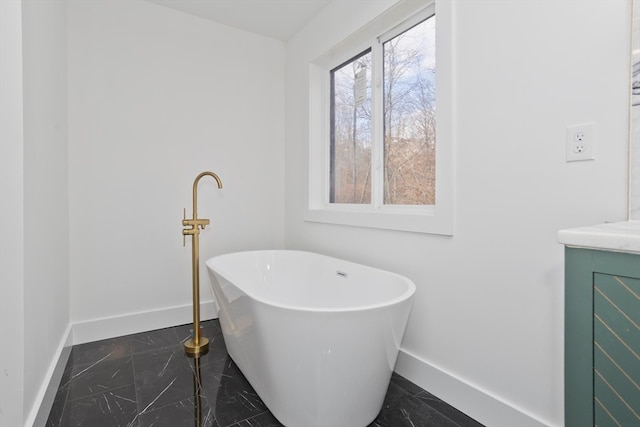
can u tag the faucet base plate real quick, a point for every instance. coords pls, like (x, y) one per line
(194, 350)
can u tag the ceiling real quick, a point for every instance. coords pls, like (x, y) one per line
(279, 19)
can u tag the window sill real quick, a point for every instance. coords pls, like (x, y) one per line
(412, 220)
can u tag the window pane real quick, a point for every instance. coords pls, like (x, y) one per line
(410, 116)
(350, 155)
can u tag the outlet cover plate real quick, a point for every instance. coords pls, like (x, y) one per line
(580, 142)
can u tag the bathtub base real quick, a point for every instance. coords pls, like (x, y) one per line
(320, 369)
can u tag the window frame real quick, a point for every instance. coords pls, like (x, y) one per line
(434, 219)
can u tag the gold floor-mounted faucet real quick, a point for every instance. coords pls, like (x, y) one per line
(196, 345)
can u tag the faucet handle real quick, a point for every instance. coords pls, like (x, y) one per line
(184, 216)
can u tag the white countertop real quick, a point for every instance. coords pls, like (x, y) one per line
(621, 236)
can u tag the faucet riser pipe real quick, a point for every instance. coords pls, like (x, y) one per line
(197, 345)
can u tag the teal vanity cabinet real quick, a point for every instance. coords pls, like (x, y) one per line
(602, 333)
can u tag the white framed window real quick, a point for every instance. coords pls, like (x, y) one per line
(381, 152)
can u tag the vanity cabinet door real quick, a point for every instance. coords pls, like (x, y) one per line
(602, 338)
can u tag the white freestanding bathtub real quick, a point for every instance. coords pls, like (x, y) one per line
(317, 337)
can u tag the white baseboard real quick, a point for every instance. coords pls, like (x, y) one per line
(39, 413)
(478, 404)
(110, 327)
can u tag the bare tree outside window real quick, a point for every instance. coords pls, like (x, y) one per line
(351, 132)
(409, 116)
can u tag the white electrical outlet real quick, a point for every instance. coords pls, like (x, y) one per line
(580, 142)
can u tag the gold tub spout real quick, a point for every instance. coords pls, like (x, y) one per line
(196, 345)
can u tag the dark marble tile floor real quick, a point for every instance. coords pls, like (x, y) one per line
(145, 380)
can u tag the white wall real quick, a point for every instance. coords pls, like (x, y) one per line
(156, 97)
(488, 313)
(11, 217)
(35, 256)
(46, 231)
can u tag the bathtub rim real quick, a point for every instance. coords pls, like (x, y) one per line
(407, 295)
